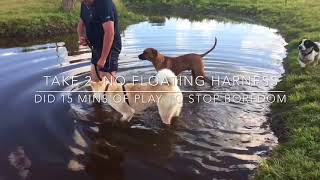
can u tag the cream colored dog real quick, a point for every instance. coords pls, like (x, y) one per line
(164, 93)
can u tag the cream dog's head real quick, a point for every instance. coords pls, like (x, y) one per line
(98, 88)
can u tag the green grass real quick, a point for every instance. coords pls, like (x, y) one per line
(297, 123)
(35, 17)
(25, 18)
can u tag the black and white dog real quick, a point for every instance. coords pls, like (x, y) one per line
(308, 53)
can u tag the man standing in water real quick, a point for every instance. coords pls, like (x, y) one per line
(99, 28)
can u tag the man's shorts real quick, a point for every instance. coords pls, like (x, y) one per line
(111, 63)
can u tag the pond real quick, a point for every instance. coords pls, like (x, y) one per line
(210, 140)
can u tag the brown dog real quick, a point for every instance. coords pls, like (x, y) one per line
(193, 62)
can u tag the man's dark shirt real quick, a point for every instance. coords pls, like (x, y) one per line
(94, 16)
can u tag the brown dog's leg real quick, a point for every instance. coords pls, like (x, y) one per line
(208, 80)
(201, 76)
(194, 77)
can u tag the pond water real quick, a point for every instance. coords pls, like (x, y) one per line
(216, 140)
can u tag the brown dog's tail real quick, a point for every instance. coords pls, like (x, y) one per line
(214, 46)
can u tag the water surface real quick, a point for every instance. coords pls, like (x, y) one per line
(209, 141)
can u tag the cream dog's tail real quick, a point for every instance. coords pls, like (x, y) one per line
(166, 77)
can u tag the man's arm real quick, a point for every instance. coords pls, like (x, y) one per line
(108, 38)
(82, 33)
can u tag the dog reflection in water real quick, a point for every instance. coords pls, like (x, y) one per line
(105, 152)
(95, 155)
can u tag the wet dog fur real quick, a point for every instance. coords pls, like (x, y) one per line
(170, 98)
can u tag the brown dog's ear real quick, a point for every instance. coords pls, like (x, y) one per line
(154, 52)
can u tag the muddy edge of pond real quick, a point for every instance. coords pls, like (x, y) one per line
(54, 23)
(155, 15)
(43, 33)
(192, 13)
(134, 15)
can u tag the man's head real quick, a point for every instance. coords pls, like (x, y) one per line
(88, 2)
(150, 54)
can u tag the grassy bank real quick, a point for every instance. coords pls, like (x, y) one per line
(25, 18)
(297, 123)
